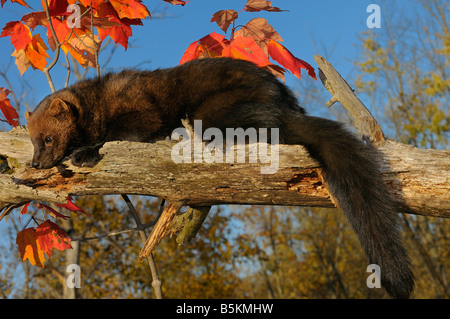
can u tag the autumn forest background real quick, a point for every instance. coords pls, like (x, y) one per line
(400, 71)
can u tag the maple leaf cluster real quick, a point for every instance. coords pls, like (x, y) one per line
(257, 41)
(35, 243)
(112, 18)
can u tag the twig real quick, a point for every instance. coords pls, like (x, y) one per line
(68, 70)
(97, 66)
(156, 282)
(58, 47)
(110, 234)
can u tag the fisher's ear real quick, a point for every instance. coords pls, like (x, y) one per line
(27, 115)
(59, 107)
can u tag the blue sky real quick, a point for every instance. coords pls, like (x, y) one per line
(325, 27)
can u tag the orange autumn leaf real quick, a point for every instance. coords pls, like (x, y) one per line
(50, 236)
(210, 46)
(35, 243)
(132, 9)
(283, 56)
(68, 48)
(20, 34)
(81, 47)
(6, 108)
(29, 50)
(118, 29)
(21, 2)
(36, 52)
(119, 34)
(260, 30)
(190, 53)
(77, 41)
(94, 3)
(62, 32)
(29, 247)
(245, 48)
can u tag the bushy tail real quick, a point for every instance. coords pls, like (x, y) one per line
(354, 179)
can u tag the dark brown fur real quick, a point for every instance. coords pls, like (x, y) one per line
(146, 106)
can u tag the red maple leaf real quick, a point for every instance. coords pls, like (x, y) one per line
(51, 211)
(61, 29)
(71, 206)
(119, 34)
(22, 2)
(261, 31)
(132, 9)
(245, 48)
(50, 236)
(24, 209)
(283, 56)
(211, 46)
(119, 29)
(20, 34)
(91, 3)
(191, 53)
(34, 243)
(8, 111)
(29, 247)
(56, 7)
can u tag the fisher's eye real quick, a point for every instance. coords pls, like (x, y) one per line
(48, 140)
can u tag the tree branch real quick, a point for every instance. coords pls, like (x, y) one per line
(343, 93)
(156, 282)
(418, 179)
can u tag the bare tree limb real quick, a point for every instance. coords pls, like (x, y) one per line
(342, 92)
(418, 179)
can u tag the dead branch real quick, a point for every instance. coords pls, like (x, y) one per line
(419, 179)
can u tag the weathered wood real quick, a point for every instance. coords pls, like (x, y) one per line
(161, 227)
(419, 179)
(341, 92)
